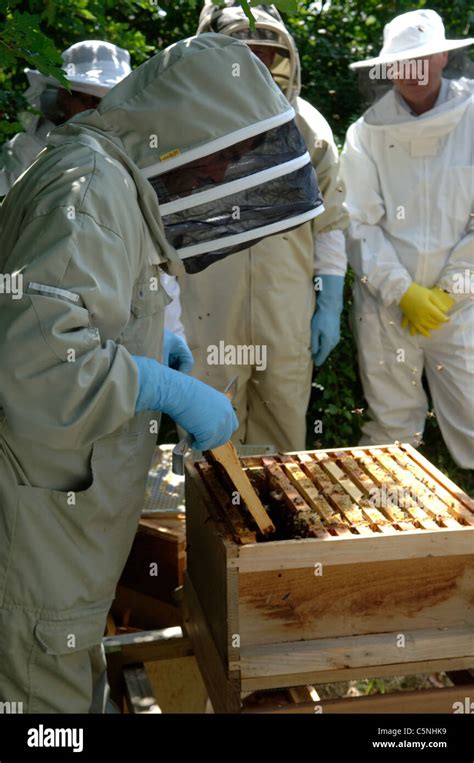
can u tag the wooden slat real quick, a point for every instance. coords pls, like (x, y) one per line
(355, 651)
(398, 474)
(367, 486)
(223, 688)
(446, 485)
(332, 452)
(302, 694)
(403, 702)
(301, 514)
(315, 472)
(427, 500)
(210, 548)
(379, 477)
(312, 496)
(444, 501)
(347, 600)
(377, 520)
(325, 509)
(241, 533)
(227, 457)
(335, 494)
(294, 554)
(353, 674)
(251, 462)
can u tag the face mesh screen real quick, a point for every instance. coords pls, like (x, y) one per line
(277, 198)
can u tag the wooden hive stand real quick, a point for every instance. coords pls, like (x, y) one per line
(374, 588)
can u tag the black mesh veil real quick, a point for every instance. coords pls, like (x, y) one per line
(228, 199)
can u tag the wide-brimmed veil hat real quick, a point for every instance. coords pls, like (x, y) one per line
(413, 35)
(91, 66)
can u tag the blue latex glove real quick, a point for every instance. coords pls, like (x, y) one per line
(176, 353)
(203, 411)
(326, 321)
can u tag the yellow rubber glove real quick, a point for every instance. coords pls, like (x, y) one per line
(442, 298)
(424, 309)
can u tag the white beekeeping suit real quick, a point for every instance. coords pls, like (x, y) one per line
(251, 315)
(410, 196)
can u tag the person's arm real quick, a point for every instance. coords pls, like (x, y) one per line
(330, 259)
(371, 254)
(60, 381)
(329, 241)
(457, 277)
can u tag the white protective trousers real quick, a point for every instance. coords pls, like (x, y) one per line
(391, 366)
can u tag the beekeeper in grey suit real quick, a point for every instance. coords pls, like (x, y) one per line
(147, 181)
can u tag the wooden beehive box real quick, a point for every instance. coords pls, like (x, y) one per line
(378, 588)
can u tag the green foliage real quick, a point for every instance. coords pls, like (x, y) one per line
(329, 34)
(21, 40)
(337, 398)
(371, 686)
(11, 103)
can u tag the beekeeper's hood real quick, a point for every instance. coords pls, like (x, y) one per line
(433, 124)
(205, 124)
(270, 31)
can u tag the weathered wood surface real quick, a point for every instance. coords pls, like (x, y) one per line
(226, 455)
(352, 492)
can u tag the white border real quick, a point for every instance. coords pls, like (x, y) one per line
(234, 186)
(218, 144)
(237, 238)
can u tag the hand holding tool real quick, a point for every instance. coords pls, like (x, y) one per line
(180, 450)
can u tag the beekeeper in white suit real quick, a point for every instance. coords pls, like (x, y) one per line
(408, 167)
